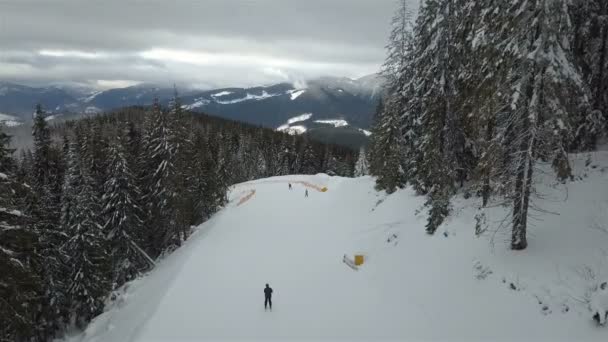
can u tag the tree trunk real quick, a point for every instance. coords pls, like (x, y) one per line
(522, 198)
(486, 189)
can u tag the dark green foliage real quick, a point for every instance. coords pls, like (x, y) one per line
(19, 283)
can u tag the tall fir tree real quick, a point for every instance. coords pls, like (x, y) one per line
(86, 248)
(362, 165)
(160, 155)
(540, 89)
(20, 283)
(123, 218)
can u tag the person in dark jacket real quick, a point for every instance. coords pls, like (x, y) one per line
(268, 297)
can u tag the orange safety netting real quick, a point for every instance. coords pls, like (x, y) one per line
(246, 198)
(313, 186)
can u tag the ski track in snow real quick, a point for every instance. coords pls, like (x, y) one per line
(450, 286)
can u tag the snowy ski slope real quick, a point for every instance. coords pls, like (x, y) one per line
(451, 286)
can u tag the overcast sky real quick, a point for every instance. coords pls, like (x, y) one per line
(201, 43)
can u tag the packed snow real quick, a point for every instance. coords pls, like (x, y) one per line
(454, 285)
(336, 122)
(297, 93)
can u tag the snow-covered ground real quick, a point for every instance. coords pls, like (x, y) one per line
(297, 93)
(222, 93)
(248, 97)
(292, 130)
(9, 120)
(334, 122)
(366, 132)
(298, 129)
(450, 286)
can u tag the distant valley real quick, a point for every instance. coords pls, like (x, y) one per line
(330, 109)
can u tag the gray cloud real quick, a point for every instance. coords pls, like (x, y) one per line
(207, 43)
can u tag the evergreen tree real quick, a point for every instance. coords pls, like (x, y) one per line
(181, 196)
(361, 168)
(309, 160)
(388, 150)
(86, 247)
(542, 78)
(160, 152)
(44, 206)
(20, 283)
(398, 48)
(123, 223)
(42, 149)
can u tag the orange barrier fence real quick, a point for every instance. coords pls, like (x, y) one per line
(246, 198)
(306, 184)
(313, 186)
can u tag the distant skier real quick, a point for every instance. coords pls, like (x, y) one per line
(306, 193)
(267, 297)
(289, 186)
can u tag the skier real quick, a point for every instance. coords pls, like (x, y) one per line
(289, 186)
(306, 193)
(267, 297)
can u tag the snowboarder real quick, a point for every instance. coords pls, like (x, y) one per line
(289, 186)
(267, 297)
(306, 193)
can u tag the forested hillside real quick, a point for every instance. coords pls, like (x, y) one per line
(482, 92)
(99, 200)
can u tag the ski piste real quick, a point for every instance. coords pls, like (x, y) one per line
(418, 288)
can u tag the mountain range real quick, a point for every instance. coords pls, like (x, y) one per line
(330, 108)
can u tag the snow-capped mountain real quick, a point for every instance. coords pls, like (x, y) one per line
(328, 100)
(325, 98)
(20, 101)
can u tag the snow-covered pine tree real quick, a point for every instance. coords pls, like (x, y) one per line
(202, 178)
(93, 154)
(398, 47)
(479, 84)
(160, 157)
(20, 283)
(387, 144)
(182, 198)
(362, 165)
(43, 205)
(42, 148)
(439, 128)
(47, 173)
(122, 214)
(375, 154)
(388, 149)
(310, 162)
(590, 48)
(540, 86)
(86, 248)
